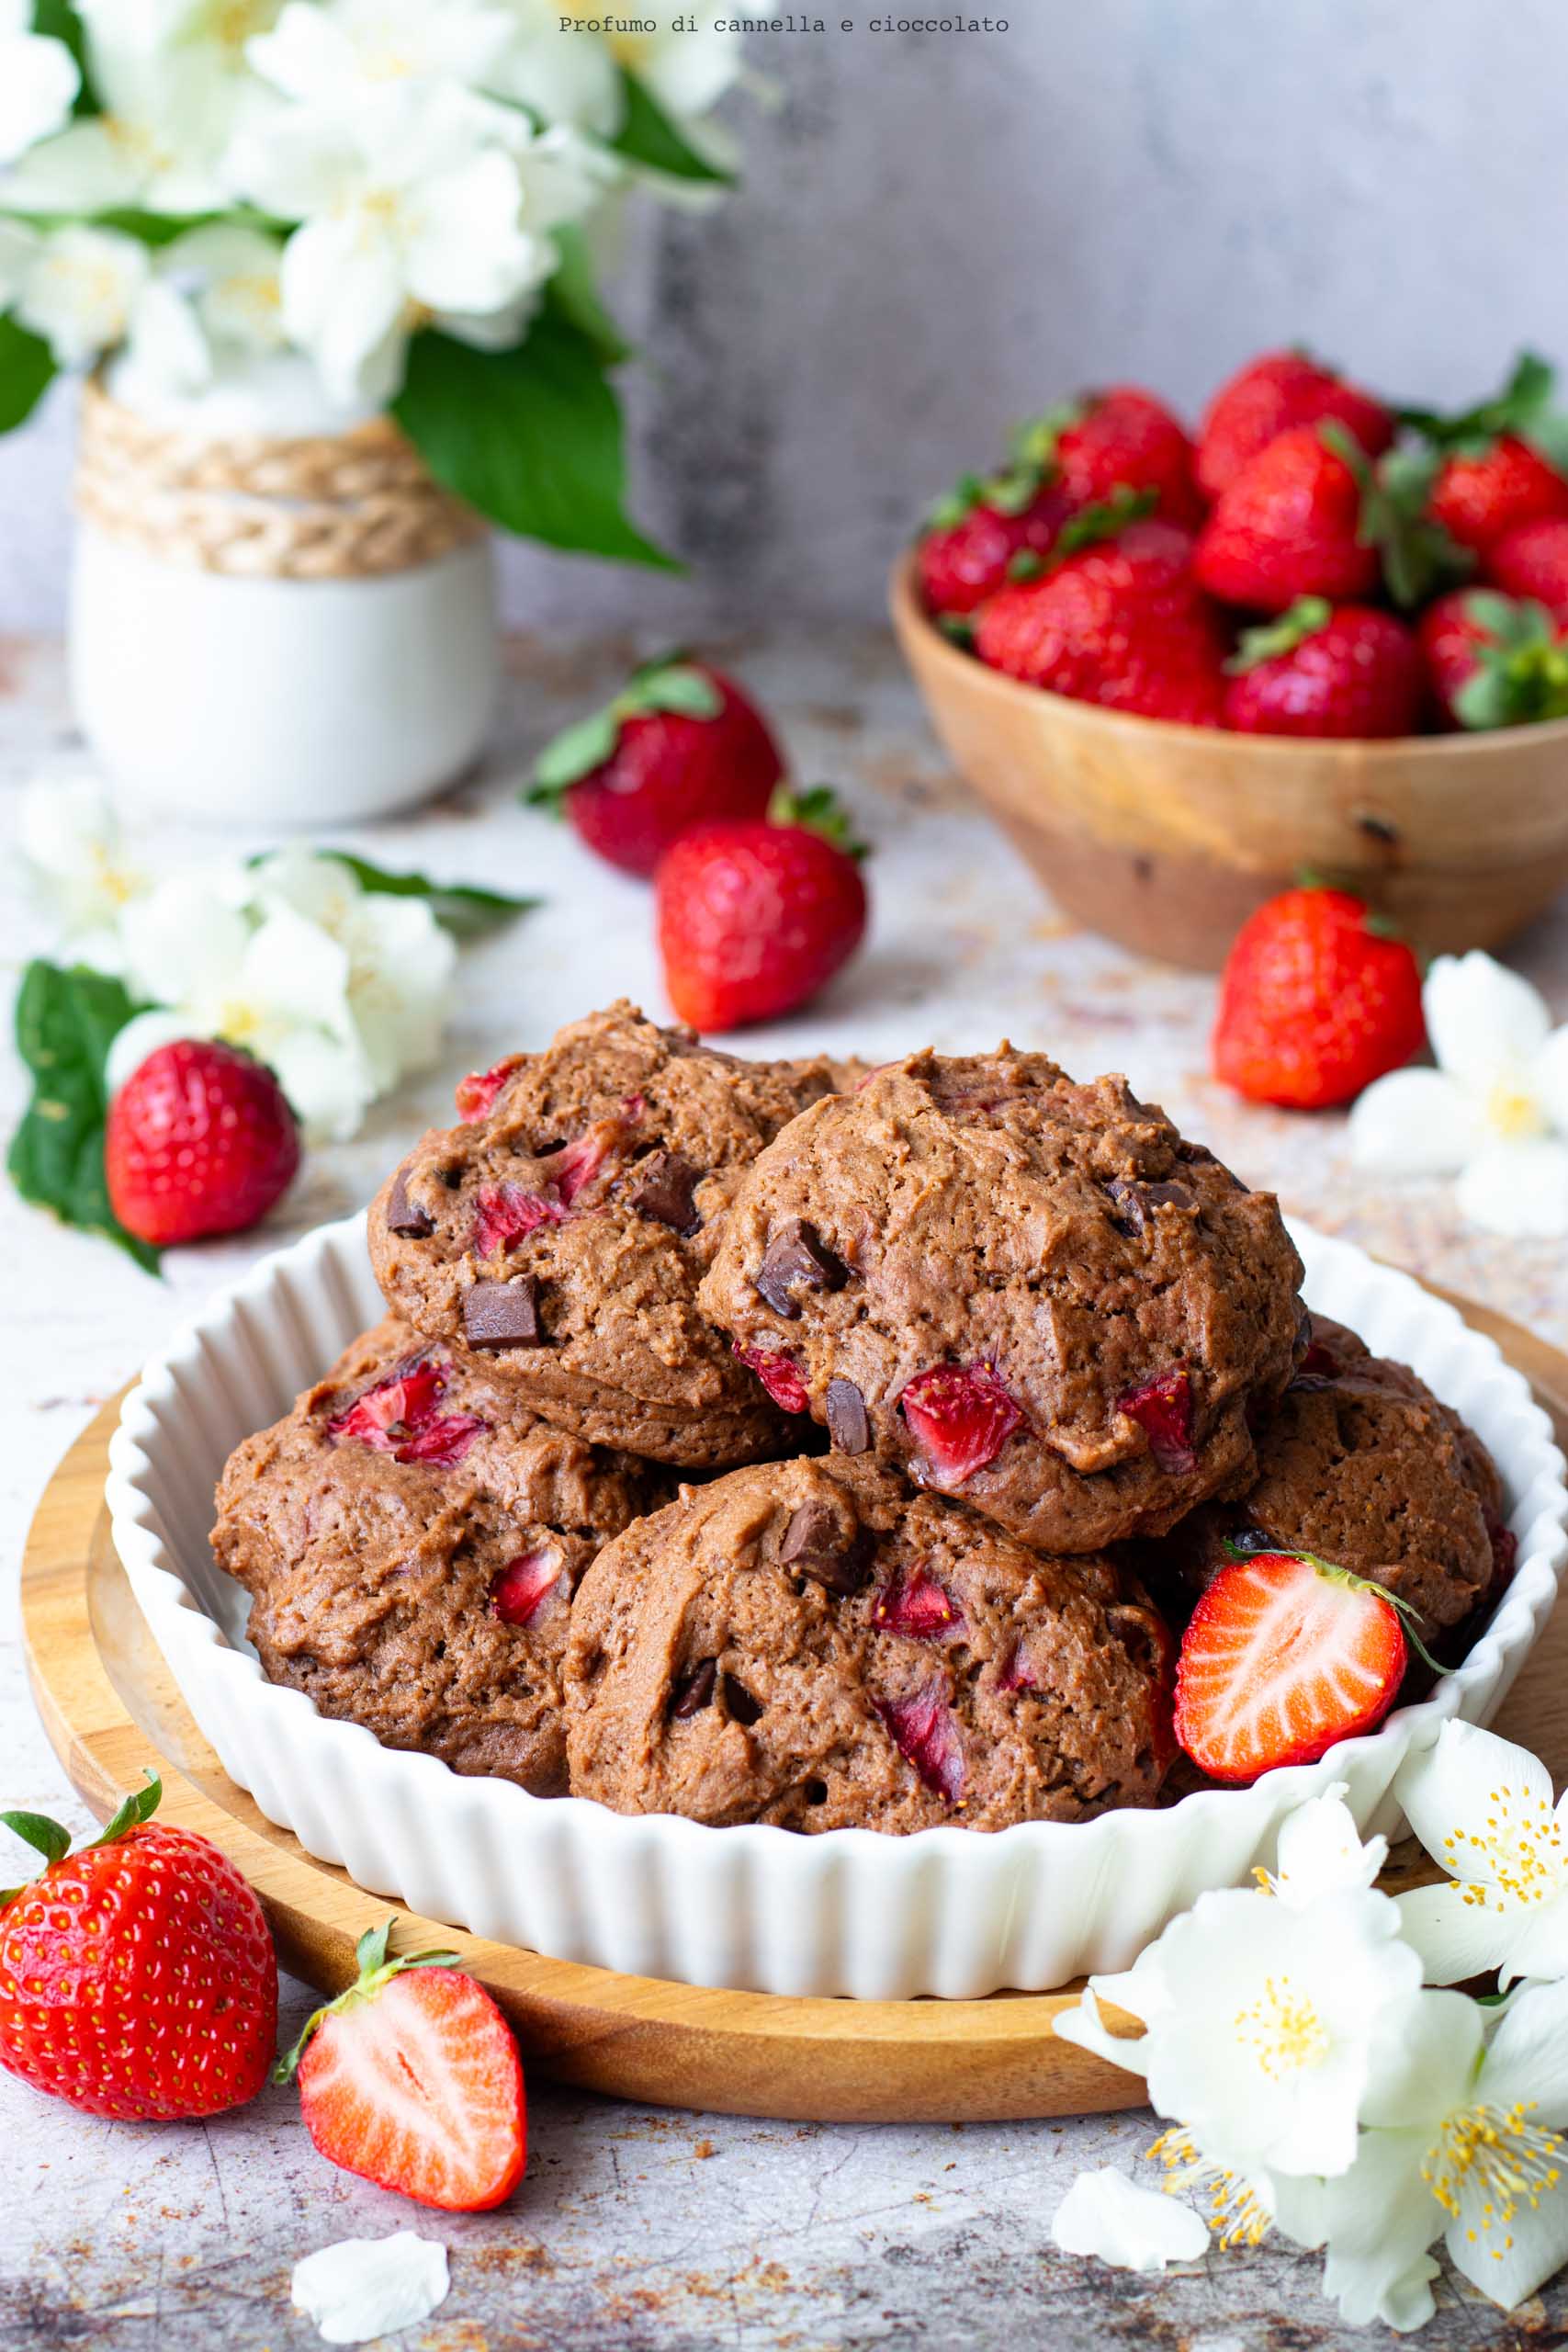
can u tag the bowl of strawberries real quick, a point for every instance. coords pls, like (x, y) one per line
(1323, 634)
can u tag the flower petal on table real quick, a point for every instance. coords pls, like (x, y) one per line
(1105, 2214)
(1482, 1019)
(1416, 1123)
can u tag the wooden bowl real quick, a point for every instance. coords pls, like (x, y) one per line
(1165, 837)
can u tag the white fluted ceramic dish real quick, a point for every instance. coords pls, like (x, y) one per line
(951, 1912)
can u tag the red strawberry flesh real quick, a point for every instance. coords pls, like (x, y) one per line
(443, 1440)
(924, 1729)
(521, 1589)
(505, 1213)
(477, 1092)
(779, 1375)
(398, 1416)
(916, 1606)
(962, 1416)
(1162, 1407)
(1283, 1658)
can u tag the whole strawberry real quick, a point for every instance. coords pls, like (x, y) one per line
(200, 1140)
(1495, 661)
(754, 918)
(984, 534)
(1532, 561)
(137, 1975)
(1347, 670)
(1271, 395)
(679, 745)
(1121, 624)
(1314, 1002)
(1122, 440)
(411, 2079)
(1289, 524)
(1497, 464)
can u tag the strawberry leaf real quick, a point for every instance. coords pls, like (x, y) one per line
(1305, 618)
(132, 1811)
(1104, 520)
(958, 629)
(66, 1021)
(1521, 408)
(1419, 557)
(1027, 564)
(669, 682)
(817, 811)
(676, 686)
(568, 757)
(36, 1829)
(1034, 442)
(947, 512)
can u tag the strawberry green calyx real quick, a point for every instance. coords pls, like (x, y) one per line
(817, 811)
(1254, 1546)
(375, 1970)
(53, 1840)
(959, 627)
(1106, 519)
(669, 682)
(1306, 617)
(1008, 491)
(1417, 555)
(1027, 564)
(1034, 442)
(1521, 676)
(1523, 408)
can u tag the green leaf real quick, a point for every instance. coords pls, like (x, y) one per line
(66, 1021)
(133, 1809)
(1034, 443)
(1417, 555)
(1266, 643)
(958, 629)
(668, 682)
(461, 907)
(59, 20)
(1104, 520)
(1027, 564)
(26, 370)
(36, 1829)
(573, 293)
(647, 136)
(1520, 677)
(531, 438)
(1521, 408)
(575, 752)
(817, 811)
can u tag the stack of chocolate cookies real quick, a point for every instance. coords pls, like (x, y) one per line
(959, 1361)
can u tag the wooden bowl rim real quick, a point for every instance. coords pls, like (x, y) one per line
(910, 619)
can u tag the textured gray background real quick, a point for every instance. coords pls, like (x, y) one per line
(939, 234)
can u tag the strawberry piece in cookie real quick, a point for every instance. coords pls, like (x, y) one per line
(963, 1417)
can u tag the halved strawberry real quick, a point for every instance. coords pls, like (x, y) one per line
(1162, 1407)
(1284, 1654)
(524, 1586)
(963, 1417)
(411, 2079)
(779, 1375)
(915, 1605)
(924, 1729)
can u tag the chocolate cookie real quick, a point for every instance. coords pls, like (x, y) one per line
(807, 1644)
(411, 1535)
(1363, 1466)
(564, 1227)
(1026, 1292)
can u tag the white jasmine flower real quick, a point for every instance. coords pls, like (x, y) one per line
(168, 115)
(81, 291)
(1133, 2229)
(325, 54)
(280, 987)
(1482, 1809)
(1268, 2026)
(19, 251)
(69, 837)
(363, 2288)
(1320, 1851)
(1466, 2144)
(230, 276)
(1494, 1112)
(568, 74)
(401, 964)
(419, 202)
(39, 80)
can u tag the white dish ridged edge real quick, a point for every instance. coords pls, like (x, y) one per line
(950, 1912)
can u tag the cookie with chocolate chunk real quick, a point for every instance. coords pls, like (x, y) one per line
(410, 1536)
(810, 1643)
(1363, 1466)
(563, 1228)
(1027, 1292)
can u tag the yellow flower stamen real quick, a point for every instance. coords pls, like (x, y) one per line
(1521, 1847)
(1497, 2156)
(1236, 2215)
(1286, 2031)
(1514, 1111)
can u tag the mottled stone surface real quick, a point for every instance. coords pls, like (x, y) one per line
(635, 2230)
(939, 234)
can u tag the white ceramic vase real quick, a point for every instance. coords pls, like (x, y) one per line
(277, 619)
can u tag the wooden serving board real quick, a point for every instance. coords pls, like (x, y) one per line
(110, 1707)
